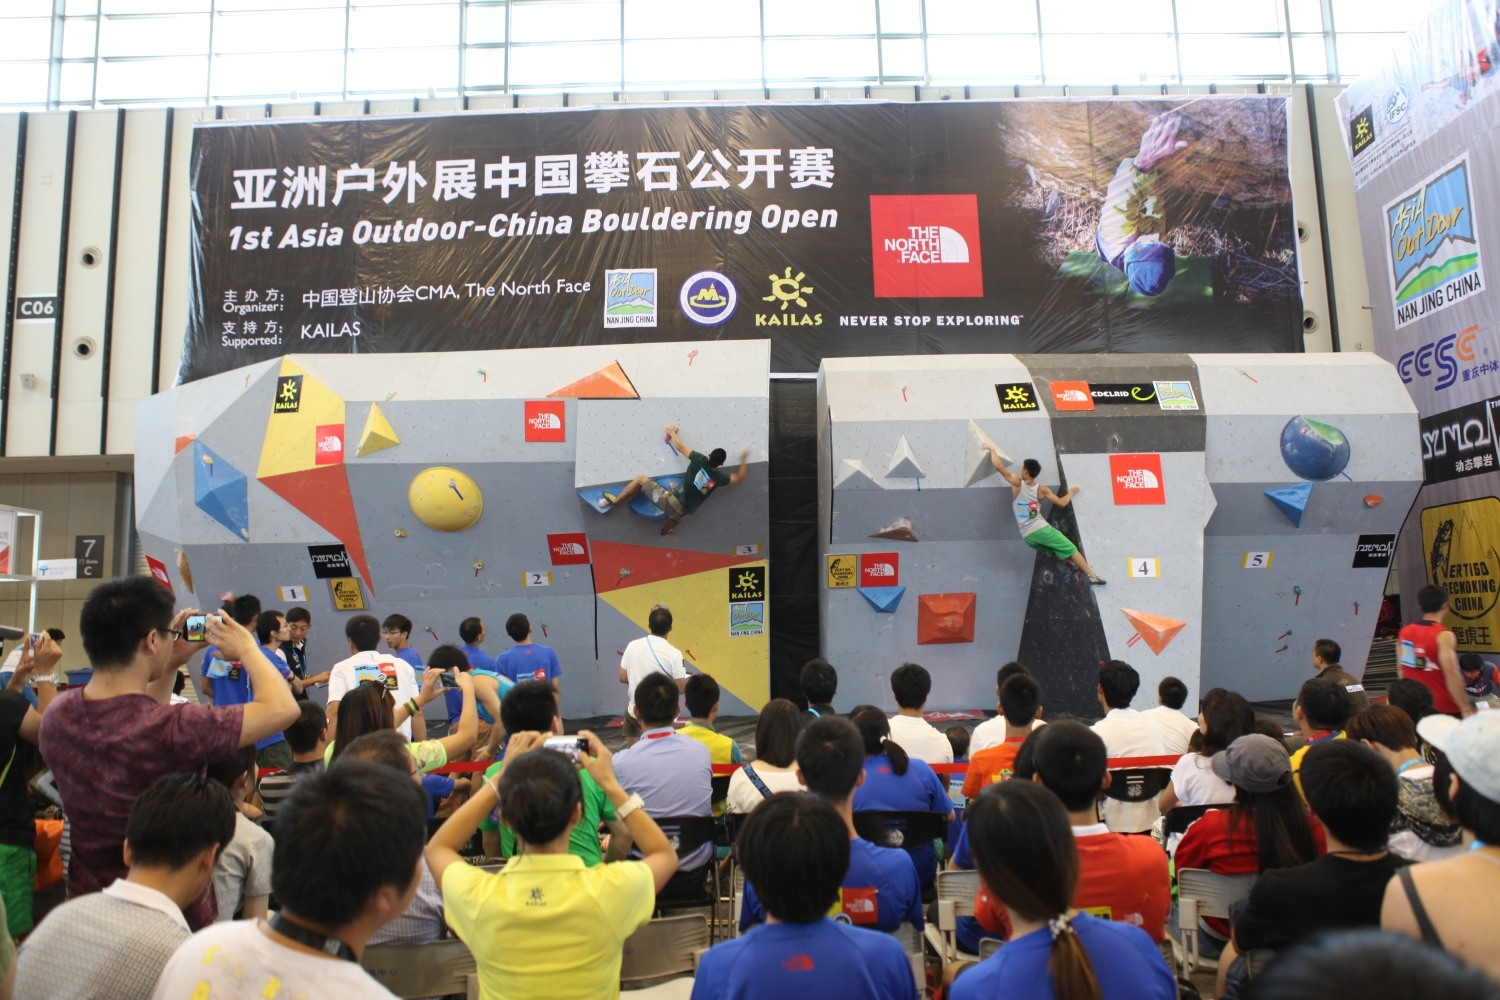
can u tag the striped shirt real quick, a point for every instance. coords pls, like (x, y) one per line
(274, 788)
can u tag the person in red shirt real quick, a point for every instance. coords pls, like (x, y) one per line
(1121, 877)
(1427, 651)
(1268, 826)
(1020, 703)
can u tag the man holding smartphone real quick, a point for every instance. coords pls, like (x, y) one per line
(135, 647)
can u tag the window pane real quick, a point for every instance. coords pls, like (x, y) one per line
(1012, 58)
(25, 38)
(276, 74)
(78, 38)
(484, 67)
(153, 79)
(1108, 58)
(822, 58)
(695, 60)
(287, 31)
(184, 34)
(23, 83)
(686, 18)
(28, 8)
(900, 17)
(155, 6)
(823, 17)
(965, 17)
(902, 57)
(1219, 57)
(486, 23)
(1216, 15)
(1110, 15)
(1374, 15)
(561, 21)
(1311, 55)
(77, 83)
(559, 65)
(80, 8)
(235, 5)
(377, 70)
(375, 27)
(1360, 54)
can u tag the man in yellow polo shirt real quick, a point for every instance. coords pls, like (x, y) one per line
(702, 697)
(546, 927)
(1321, 711)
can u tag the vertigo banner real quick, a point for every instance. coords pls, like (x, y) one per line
(833, 229)
(1421, 133)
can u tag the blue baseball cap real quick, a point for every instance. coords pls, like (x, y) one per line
(1148, 266)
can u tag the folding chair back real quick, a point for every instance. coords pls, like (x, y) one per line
(906, 830)
(956, 894)
(988, 946)
(1137, 784)
(911, 942)
(1202, 893)
(666, 946)
(687, 834)
(421, 970)
(1179, 818)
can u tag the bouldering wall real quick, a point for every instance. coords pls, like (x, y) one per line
(1188, 466)
(447, 485)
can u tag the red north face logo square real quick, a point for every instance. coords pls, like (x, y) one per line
(1137, 479)
(926, 246)
(571, 549)
(328, 447)
(880, 569)
(546, 420)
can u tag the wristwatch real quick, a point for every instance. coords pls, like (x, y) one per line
(630, 805)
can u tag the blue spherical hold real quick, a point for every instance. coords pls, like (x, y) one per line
(1314, 450)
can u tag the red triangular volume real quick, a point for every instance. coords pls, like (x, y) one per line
(607, 383)
(617, 566)
(322, 493)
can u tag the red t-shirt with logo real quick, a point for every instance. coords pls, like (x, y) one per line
(1121, 878)
(1417, 653)
(991, 766)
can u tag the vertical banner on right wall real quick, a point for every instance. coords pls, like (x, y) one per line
(1421, 133)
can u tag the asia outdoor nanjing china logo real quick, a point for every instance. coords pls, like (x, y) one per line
(1433, 245)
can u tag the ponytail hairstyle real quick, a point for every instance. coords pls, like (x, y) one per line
(368, 708)
(875, 729)
(1025, 852)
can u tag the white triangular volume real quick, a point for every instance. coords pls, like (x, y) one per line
(855, 475)
(904, 463)
(976, 459)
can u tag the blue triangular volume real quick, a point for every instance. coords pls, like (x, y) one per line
(1291, 501)
(883, 599)
(221, 491)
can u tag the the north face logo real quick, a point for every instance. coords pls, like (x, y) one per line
(545, 421)
(926, 246)
(1139, 479)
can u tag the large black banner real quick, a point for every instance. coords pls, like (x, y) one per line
(833, 229)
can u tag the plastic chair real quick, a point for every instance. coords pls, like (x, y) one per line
(1202, 893)
(988, 946)
(1179, 818)
(688, 834)
(438, 968)
(911, 942)
(906, 830)
(1137, 784)
(956, 894)
(663, 947)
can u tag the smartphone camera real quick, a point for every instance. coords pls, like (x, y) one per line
(568, 746)
(36, 639)
(447, 680)
(193, 628)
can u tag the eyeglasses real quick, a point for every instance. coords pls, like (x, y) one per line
(173, 633)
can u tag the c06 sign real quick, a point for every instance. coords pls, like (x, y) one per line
(43, 307)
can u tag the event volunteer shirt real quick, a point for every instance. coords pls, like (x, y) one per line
(806, 962)
(1125, 961)
(529, 662)
(879, 891)
(230, 683)
(392, 672)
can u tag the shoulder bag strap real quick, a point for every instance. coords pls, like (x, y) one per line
(760, 786)
(1424, 923)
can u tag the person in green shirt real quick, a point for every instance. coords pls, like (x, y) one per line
(702, 477)
(530, 707)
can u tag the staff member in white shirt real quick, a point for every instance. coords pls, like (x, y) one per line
(648, 655)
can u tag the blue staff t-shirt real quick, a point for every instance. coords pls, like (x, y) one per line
(918, 790)
(528, 662)
(880, 876)
(1125, 960)
(411, 656)
(478, 658)
(229, 682)
(806, 962)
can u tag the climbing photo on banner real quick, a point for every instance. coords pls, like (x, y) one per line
(1077, 225)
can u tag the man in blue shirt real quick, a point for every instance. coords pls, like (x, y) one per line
(396, 630)
(792, 848)
(471, 631)
(526, 660)
(672, 773)
(227, 682)
(879, 889)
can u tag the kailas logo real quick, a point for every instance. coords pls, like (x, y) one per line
(747, 584)
(569, 549)
(537, 898)
(926, 246)
(288, 394)
(1361, 131)
(1433, 245)
(1441, 353)
(1016, 397)
(545, 420)
(788, 297)
(1136, 479)
(329, 448)
(630, 297)
(707, 298)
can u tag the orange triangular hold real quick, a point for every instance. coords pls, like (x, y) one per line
(181, 443)
(322, 493)
(606, 383)
(618, 566)
(1156, 630)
